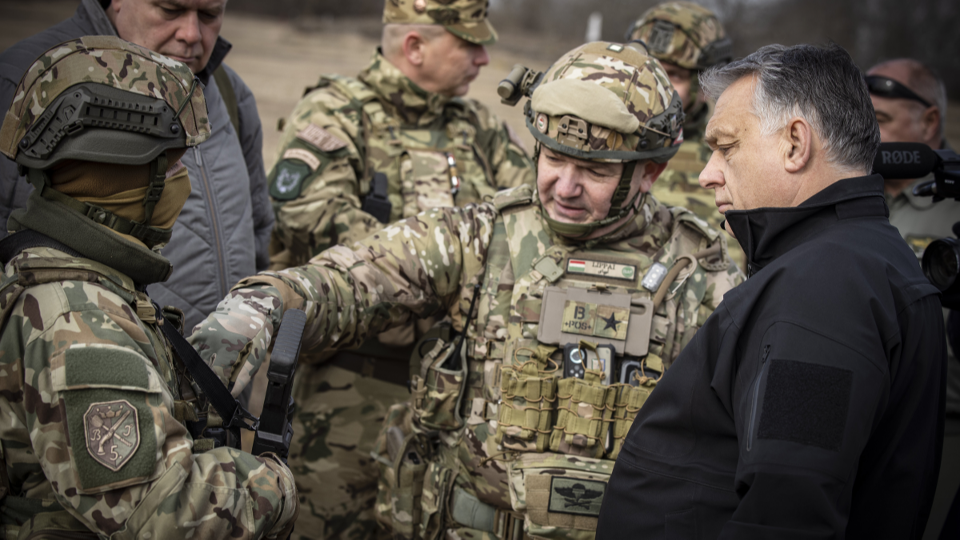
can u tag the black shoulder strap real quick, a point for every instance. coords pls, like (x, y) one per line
(233, 414)
(229, 97)
(14, 244)
(229, 408)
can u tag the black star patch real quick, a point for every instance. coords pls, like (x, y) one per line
(611, 323)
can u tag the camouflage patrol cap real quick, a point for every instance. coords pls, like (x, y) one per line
(466, 19)
(607, 102)
(684, 34)
(99, 98)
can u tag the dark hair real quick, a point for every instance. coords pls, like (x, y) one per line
(821, 85)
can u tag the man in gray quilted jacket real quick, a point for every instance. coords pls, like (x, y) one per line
(223, 231)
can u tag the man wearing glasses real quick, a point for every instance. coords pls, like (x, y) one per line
(910, 102)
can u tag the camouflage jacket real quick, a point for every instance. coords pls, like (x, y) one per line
(92, 407)
(431, 264)
(345, 130)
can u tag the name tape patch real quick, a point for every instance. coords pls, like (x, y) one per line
(602, 269)
(311, 160)
(320, 138)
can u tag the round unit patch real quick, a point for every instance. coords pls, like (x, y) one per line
(542, 123)
(112, 431)
(420, 6)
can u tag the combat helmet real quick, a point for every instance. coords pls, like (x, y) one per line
(102, 99)
(606, 102)
(684, 34)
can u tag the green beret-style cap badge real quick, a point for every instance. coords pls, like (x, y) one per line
(466, 19)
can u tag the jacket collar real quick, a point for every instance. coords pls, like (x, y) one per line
(767, 233)
(637, 232)
(412, 104)
(93, 241)
(95, 12)
(220, 50)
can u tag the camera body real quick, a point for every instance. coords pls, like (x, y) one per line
(941, 259)
(941, 265)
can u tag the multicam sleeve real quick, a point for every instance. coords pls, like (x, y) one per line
(99, 418)
(314, 185)
(702, 293)
(509, 159)
(413, 268)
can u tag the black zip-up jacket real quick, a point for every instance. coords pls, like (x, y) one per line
(810, 404)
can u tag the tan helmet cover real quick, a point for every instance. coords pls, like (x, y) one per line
(607, 102)
(112, 62)
(683, 33)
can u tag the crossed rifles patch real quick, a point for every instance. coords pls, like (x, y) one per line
(112, 430)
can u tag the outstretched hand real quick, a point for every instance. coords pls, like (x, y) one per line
(235, 338)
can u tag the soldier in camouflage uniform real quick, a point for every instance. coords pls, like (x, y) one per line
(687, 39)
(582, 274)
(357, 153)
(93, 405)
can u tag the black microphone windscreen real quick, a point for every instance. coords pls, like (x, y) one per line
(904, 160)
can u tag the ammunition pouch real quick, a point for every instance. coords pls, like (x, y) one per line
(528, 400)
(584, 412)
(401, 455)
(416, 477)
(438, 388)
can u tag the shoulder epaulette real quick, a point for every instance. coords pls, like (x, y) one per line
(348, 86)
(508, 198)
(694, 222)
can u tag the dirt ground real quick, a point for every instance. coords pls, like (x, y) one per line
(279, 59)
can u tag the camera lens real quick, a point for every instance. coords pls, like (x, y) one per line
(941, 262)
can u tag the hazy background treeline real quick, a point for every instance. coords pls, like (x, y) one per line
(872, 30)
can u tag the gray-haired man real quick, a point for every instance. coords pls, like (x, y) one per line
(809, 405)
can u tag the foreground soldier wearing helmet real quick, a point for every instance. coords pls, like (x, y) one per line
(687, 39)
(500, 436)
(94, 408)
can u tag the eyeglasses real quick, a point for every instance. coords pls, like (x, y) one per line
(889, 88)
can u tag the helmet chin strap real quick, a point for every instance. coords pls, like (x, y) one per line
(618, 210)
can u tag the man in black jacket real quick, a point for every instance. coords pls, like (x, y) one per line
(810, 404)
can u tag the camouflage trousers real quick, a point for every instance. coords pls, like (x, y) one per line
(339, 414)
